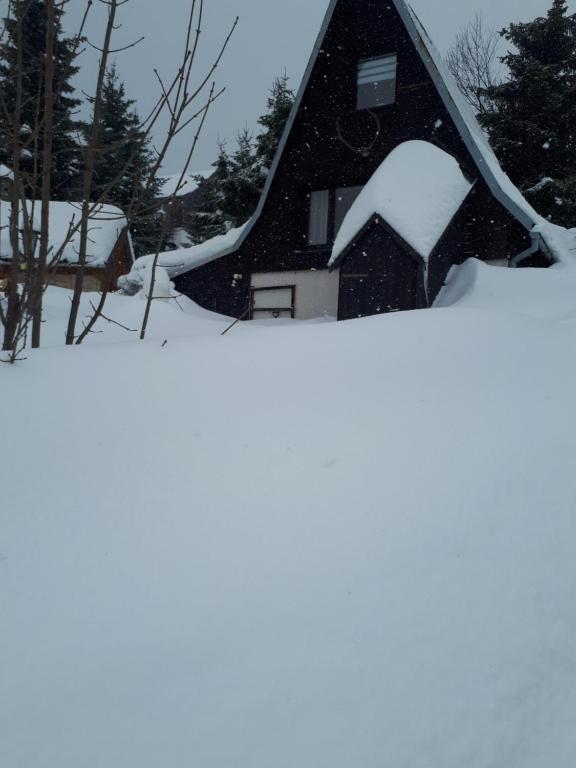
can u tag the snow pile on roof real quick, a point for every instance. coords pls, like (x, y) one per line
(180, 185)
(183, 260)
(559, 242)
(105, 227)
(417, 190)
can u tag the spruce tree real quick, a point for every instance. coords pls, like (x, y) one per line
(242, 188)
(532, 126)
(66, 162)
(123, 151)
(231, 193)
(280, 101)
(210, 219)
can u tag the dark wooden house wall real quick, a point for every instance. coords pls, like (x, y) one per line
(315, 158)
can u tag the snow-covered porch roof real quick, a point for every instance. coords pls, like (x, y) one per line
(416, 191)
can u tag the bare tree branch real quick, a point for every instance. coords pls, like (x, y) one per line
(474, 63)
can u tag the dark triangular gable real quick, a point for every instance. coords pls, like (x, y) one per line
(373, 13)
(313, 156)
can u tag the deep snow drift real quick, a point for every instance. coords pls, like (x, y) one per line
(314, 546)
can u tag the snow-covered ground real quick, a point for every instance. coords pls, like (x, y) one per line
(312, 545)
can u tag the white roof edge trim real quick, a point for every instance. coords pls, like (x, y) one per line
(422, 43)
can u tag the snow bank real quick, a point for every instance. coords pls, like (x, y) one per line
(106, 225)
(173, 318)
(218, 572)
(183, 260)
(417, 190)
(178, 185)
(543, 293)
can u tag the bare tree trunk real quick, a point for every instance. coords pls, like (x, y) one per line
(40, 273)
(91, 154)
(13, 309)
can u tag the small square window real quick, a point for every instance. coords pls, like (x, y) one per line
(377, 81)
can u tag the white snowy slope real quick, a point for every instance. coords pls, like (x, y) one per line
(315, 546)
(170, 319)
(543, 293)
(417, 189)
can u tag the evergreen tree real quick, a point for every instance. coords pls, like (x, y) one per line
(532, 127)
(121, 148)
(242, 188)
(67, 159)
(231, 193)
(210, 220)
(280, 103)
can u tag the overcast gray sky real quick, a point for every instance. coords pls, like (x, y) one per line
(272, 36)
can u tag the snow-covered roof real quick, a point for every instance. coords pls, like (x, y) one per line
(184, 259)
(417, 190)
(106, 225)
(180, 185)
(5, 172)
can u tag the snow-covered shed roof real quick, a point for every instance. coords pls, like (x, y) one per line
(183, 259)
(417, 190)
(105, 228)
(178, 185)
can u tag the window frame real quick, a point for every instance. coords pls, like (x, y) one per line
(325, 224)
(254, 311)
(332, 215)
(362, 96)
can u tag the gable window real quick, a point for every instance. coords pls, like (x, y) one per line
(318, 221)
(328, 208)
(343, 200)
(377, 82)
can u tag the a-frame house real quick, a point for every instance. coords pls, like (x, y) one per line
(373, 83)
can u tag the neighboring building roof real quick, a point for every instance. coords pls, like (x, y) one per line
(417, 190)
(178, 185)
(106, 225)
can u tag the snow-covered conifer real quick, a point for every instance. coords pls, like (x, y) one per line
(532, 126)
(66, 161)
